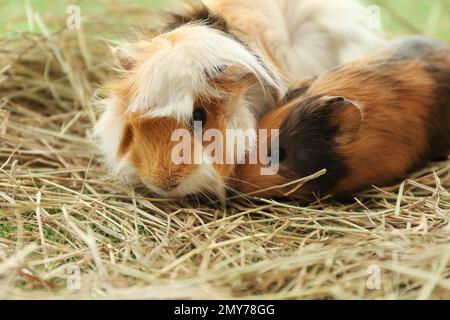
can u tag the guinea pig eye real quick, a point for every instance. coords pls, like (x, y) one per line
(199, 115)
(329, 134)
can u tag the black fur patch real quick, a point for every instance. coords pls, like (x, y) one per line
(305, 138)
(198, 13)
(297, 91)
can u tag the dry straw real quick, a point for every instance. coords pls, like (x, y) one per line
(60, 214)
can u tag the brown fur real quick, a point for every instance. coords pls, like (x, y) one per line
(230, 82)
(395, 134)
(147, 142)
(404, 121)
(230, 17)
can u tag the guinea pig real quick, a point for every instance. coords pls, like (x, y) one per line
(224, 63)
(369, 122)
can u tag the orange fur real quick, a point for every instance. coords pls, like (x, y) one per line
(246, 173)
(240, 53)
(389, 137)
(393, 137)
(147, 142)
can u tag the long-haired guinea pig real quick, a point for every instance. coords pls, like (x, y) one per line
(223, 62)
(367, 123)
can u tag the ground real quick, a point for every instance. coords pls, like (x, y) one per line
(68, 231)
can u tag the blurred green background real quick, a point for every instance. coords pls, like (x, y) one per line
(429, 17)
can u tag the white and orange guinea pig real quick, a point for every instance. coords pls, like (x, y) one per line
(369, 122)
(222, 62)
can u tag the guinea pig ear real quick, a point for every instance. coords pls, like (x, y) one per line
(344, 118)
(124, 59)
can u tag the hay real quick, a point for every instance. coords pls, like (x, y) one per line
(60, 213)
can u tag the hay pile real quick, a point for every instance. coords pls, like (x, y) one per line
(61, 216)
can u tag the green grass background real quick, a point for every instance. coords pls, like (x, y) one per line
(429, 17)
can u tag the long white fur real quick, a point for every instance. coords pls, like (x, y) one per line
(108, 131)
(170, 79)
(306, 37)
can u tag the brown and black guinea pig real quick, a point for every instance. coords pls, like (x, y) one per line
(369, 122)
